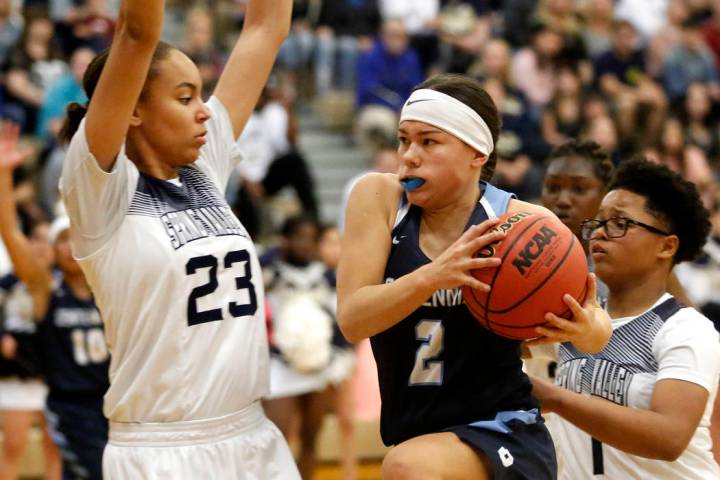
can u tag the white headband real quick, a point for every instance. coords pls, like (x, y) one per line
(451, 115)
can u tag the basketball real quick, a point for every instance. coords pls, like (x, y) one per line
(541, 261)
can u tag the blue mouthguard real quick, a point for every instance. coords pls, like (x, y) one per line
(410, 184)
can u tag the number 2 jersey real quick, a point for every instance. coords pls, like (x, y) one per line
(176, 279)
(439, 367)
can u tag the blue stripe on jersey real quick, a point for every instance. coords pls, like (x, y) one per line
(609, 374)
(497, 199)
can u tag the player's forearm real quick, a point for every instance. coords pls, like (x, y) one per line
(8, 213)
(640, 432)
(273, 16)
(375, 308)
(25, 264)
(141, 20)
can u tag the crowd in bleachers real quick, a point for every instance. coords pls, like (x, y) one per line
(632, 75)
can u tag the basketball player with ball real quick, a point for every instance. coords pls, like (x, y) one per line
(455, 401)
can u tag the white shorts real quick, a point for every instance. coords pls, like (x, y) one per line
(244, 445)
(25, 395)
(287, 382)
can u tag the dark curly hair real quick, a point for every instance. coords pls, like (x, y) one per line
(670, 198)
(470, 92)
(587, 150)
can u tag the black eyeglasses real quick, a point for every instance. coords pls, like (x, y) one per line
(615, 227)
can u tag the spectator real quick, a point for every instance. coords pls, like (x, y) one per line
(345, 28)
(420, 19)
(296, 54)
(620, 74)
(562, 120)
(386, 75)
(520, 133)
(598, 27)
(10, 29)
(701, 129)
(667, 37)
(64, 90)
(711, 32)
(647, 16)
(494, 62)
(690, 61)
(270, 159)
(94, 27)
(533, 67)
(518, 25)
(602, 130)
(32, 67)
(671, 151)
(463, 29)
(701, 278)
(198, 44)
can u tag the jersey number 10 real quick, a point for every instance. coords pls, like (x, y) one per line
(241, 283)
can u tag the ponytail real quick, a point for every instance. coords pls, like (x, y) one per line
(74, 113)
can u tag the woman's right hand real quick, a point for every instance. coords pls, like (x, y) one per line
(10, 155)
(452, 269)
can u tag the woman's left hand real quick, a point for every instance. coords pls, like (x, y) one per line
(589, 329)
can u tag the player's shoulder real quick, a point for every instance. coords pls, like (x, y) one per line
(688, 325)
(379, 183)
(377, 188)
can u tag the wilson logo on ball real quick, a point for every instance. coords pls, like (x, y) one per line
(489, 250)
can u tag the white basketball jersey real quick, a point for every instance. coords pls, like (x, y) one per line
(176, 279)
(662, 343)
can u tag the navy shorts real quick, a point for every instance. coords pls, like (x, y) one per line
(80, 430)
(527, 452)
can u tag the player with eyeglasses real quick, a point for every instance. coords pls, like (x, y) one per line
(641, 407)
(615, 227)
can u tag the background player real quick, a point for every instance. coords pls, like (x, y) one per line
(409, 240)
(22, 390)
(646, 412)
(69, 343)
(175, 274)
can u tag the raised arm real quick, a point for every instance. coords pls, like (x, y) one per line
(267, 23)
(35, 275)
(366, 304)
(118, 90)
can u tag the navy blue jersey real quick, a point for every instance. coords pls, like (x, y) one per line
(71, 345)
(439, 367)
(16, 320)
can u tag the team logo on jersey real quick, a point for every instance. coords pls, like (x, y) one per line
(447, 297)
(184, 226)
(598, 377)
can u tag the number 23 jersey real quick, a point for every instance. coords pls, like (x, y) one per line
(177, 281)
